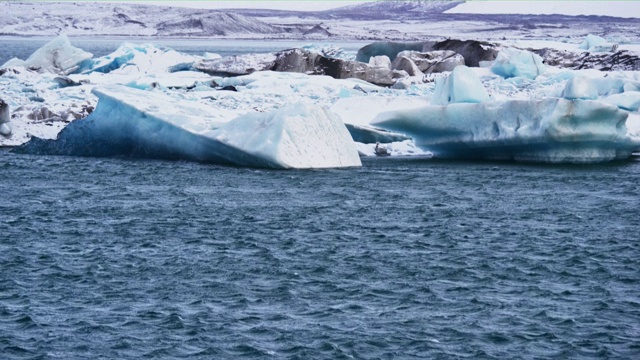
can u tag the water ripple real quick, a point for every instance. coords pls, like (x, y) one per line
(115, 258)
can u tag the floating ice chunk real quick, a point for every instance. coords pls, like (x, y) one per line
(629, 100)
(461, 86)
(549, 130)
(580, 87)
(512, 62)
(140, 59)
(131, 122)
(597, 44)
(57, 56)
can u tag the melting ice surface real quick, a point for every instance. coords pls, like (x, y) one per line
(151, 104)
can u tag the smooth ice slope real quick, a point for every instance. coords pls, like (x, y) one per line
(57, 56)
(130, 122)
(548, 130)
(296, 136)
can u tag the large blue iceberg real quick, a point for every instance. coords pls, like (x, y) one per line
(573, 129)
(146, 124)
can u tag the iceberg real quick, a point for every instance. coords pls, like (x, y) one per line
(461, 86)
(512, 62)
(553, 130)
(140, 59)
(57, 56)
(597, 44)
(628, 100)
(581, 87)
(148, 124)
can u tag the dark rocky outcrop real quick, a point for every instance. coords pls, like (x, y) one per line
(434, 61)
(389, 49)
(403, 63)
(472, 51)
(299, 61)
(619, 60)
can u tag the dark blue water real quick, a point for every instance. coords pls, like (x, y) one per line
(403, 258)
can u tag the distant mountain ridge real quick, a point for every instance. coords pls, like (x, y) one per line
(398, 20)
(122, 19)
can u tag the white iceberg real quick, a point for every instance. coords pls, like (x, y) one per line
(580, 87)
(461, 86)
(138, 59)
(553, 130)
(131, 122)
(595, 43)
(512, 62)
(628, 100)
(57, 56)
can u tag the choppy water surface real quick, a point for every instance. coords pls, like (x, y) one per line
(403, 258)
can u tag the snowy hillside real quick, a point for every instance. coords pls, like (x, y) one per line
(381, 20)
(36, 18)
(622, 9)
(393, 9)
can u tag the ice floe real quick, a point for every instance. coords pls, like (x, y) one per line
(136, 123)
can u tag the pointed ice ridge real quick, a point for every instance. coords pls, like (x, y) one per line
(131, 122)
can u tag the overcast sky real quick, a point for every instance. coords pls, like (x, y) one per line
(305, 5)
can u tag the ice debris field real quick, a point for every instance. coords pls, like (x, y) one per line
(310, 108)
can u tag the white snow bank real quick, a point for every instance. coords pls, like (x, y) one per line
(137, 123)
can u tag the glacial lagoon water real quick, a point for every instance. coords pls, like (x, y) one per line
(402, 258)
